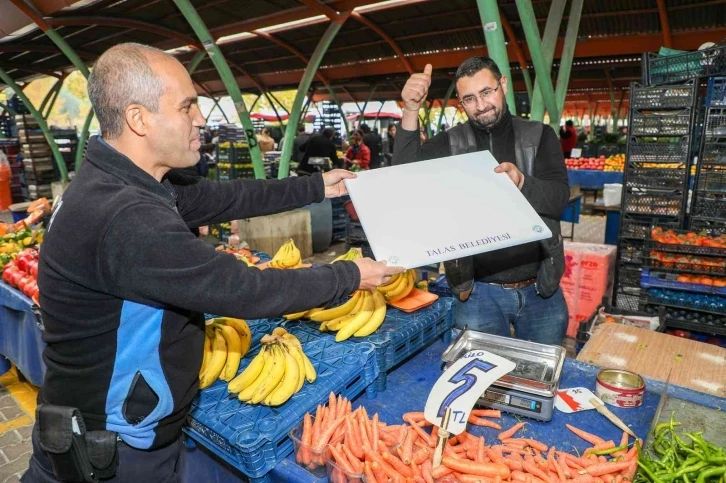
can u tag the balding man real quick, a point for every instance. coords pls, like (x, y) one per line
(124, 283)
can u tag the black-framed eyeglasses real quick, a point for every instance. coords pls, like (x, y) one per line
(471, 99)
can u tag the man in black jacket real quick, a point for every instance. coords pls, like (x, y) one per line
(374, 142)
(507, 283)
(319, 146)
(125, 284)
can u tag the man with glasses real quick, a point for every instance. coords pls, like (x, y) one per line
(517, 286)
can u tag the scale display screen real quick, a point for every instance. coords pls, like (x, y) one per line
(514, 401)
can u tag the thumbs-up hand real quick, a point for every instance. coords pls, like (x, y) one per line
(416, 89)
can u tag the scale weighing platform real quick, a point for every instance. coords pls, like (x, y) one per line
(530, 389)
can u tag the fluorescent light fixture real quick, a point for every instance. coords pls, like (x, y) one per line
(295, 23)
(234, 38)
(378, 6)
(179, 50)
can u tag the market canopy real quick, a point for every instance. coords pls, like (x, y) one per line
(258, 116)
(268, 44)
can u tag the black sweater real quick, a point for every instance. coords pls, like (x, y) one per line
(547, 191)
(124, 284)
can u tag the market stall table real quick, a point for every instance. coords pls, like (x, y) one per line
(612, 221)
(593, 180)
(409, 386)
(20, 337)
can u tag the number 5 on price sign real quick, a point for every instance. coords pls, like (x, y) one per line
(461, 385)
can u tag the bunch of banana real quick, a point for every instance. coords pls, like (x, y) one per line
(359, 316)
(288, 256)
(352, 254)
(276, 373)
(399, 286)
(226, 342)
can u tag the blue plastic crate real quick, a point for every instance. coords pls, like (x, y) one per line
(664, 280)
(400, 336)
(254, 438)
(440, 287)
(716, 95)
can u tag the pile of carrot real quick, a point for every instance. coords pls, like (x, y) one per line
(364, 448)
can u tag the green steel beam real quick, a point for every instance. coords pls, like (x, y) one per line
(306, 107)
(277, 114)
(41, 123)
(549, 40)
(379, 112)
(252, 107)
(531, 33)
(427, 117)
(336, 101)
(81, 146)
(568, 54)
(216, 104)
(278, 101)
(527, 83)
(494, 36)
(52, 102)
(447, 97)
(10, 110)
(365, 104)
(196, 60)
(230, 83)
(54, 89)
(302, 90)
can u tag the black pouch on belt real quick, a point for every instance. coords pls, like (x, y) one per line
(460, 275)
(76, 455)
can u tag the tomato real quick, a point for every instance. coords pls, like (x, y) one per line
(15, 278)
(23, 283)
(34, 269)
(7, 275)
(682, 333)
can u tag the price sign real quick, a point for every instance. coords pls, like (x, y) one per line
(576, 153)
(461, 385)
(574, 400)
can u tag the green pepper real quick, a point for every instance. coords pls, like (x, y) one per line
(610, 451)
(711, 472)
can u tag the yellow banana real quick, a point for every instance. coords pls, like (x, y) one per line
(284, 252)
(249, 375)
(358, 320)
(247, 392)
(207, 352)
(279, 331)
(215, 363)
(310, 374)
(277, 372)
(289, 384)
(410, 283)
(398, 289)
(295, 316)
(339, 311)
(243, 330)
(336, 324)
(234, 352)
(392, 284)
(297, 355)
(352, 254)
(379, 315)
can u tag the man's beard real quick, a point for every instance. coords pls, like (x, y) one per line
(493, 117)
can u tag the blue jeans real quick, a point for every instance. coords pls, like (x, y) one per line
(492, 309)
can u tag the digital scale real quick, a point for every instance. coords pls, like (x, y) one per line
(530, 389)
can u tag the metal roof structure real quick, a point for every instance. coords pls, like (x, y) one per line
(268, 43)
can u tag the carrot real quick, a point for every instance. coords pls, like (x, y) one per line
(397, 464)
(440, 471)
(365, 440)
(532, 469)
(306, 439)
(368, 473)
(423, 424)
(480, 450)
(332, 404)
(374, 432)
(623, 442)
(364, 413)
(562, 462)
(632, 454)
(378, 473)
(484, 423)
(414, 416)
(629, 474)
(405, 451)
(619, 479)
(472, 467)
(355, 462)
(582, 462)
(583, 479)
(590, 438)
(510, 432)
(317, 423)
(533, 443)
(415, 469)
(415, 427)
(474, 479)
(340, 459)
(421, 455)
(606, 468)
(418, 479)
(487, 413)
(555, 464)
(426, 470)
(599, 447)
(325, 436)
(387, 469)
(516, 443)
(513, 464)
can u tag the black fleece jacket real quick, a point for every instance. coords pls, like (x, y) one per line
(547, 191)
(124, 284)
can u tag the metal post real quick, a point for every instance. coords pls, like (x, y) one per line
(568, 54)
(334, 96)
(277, 114)
(549, 40)
(81, 146)
(302, 89)
(52, 91)
(365, 104)
(10, 110)
(216, 104)
(278, 101)
(427, 117)
(196, 60)
(41, 123)
(255, 102)
(494, 36)
(230, 83)
(447, 97)
(52, 102)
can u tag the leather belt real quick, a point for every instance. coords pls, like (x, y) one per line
(516, 285)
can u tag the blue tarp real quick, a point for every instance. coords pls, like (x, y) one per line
(20, 336)
(591, 179)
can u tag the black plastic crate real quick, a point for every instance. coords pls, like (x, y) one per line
(676, 123)
(664, 69)
(659, 97)
(710, 206)
(652, 202)
(660, 152)
(669, 178)
(629, 276)
(631, 252)
(354, 232)
(716, 94)
(715, 123)
(711, 227)
(667, 262)
(713, 153)
(627, 300)
(712, 180)
(639, 227)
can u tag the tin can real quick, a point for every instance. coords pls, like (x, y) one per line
(619, 388)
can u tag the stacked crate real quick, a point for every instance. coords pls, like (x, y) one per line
(233, 154)
(655, 184)
(67, 142)
(11, 148)
(340, 218)
(38, 158)
(330, 117)
(708, 209)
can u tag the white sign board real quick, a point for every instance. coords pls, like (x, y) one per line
(461, 385)
(574, 400)
(576, 153)
(428, 212)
